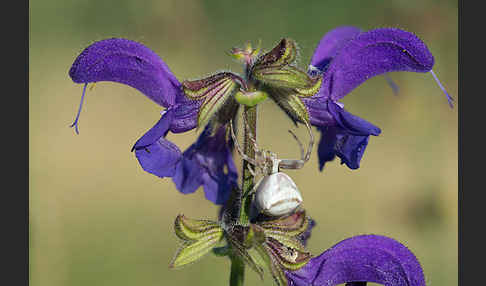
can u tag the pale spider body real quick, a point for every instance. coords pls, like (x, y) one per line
(276, 194)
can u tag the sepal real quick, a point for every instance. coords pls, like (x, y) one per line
(293, 224)
(290, 103)
(192, 229)
(214, 90)
(191, 251)
(288, 257)
(287, 77)
(284, 53)
(198, 236)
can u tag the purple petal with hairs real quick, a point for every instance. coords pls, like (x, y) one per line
(352, 124)
(330, 44)
(186, 112)
(209, 163)
(156, 154)
(128, 62)
(372, 53)
(364, 258)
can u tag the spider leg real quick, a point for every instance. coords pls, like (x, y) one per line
(252, 171)
(301, 146)
(311, 142)
(297, 164)
(238, 147)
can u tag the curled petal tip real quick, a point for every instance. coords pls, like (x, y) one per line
(127, 62)
(372, 53)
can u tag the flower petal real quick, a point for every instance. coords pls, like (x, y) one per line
(130, 63)
(344, 134)
(325, 150)
(350, 148)
(330, 44)
(160, 158)
(186, 113)
(208, 162)
(365, 258)
(188, 175)
(352, 124)
(156, 154)
(372, 53)
(304, 237)
(317, 109)
(159, 130)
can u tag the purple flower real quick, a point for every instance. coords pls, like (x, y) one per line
(361, 259)
(207, 163)
(346, 57)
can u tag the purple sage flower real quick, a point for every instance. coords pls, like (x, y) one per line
(207, 163)
(346, 57)
(358, 260)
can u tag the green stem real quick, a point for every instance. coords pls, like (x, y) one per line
(237, 265)
(247, 177)
(237, 271)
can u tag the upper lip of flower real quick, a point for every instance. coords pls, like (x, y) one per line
(346, 57)
(363, 258)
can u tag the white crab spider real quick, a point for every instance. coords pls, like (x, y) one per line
(275, 193)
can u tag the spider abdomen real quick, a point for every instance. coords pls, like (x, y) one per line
(277, 195)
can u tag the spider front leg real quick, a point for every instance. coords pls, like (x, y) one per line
(240, 150)
(299, 163)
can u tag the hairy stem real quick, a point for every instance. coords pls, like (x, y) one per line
(237, 271)
(247, 177)
(237, 265)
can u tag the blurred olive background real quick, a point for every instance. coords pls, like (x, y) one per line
(96, 218)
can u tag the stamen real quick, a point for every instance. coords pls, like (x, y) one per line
(449, 98)
(76, 121)
(391, 83)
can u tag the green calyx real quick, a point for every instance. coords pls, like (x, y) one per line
(291, 103)
(198, 238)
(284, 53)
(271, 244)
(214, 91)
(286, 77)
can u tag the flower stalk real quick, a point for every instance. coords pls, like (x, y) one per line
(237, 264)
(247, 177)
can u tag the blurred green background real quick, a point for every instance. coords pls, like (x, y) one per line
(96, 218)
